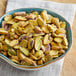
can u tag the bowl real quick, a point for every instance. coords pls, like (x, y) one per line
(28, 10)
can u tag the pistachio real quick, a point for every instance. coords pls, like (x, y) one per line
(65, 41)
(33, 57)
(1, 37)
(16, 47)
(30, 16)
(53, 52)
(20, 18)
(33, 22)
(30, 43)
(60, 31)
(12, 51)
(29, 29)
(59, 40)
(4, 53)
(39, 53)
(47, 47)
(10, 22)
(56, 48)
(61, 51)
(45, 29)
(40, 21)
(37, 29)
(2, 31)
(40, 62)
(49, 19)
(24, 51)
(13, 43)
(15, 57)
(46, 39)
(15, 25)
(44, 15)
(7, 42)
(24, 63)
(8, 17)
(19, 13)
(52, 28)
(43, 48)
(15, 61)
(63, 25)
(38, 34)
(23, 43)
(3, 24)
(33, 51)
(35, 13)
(26, 59)
(56, 22)
(38, 43)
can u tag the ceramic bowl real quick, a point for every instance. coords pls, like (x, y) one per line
(28, 10)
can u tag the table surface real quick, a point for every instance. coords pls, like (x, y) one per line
(69, 65)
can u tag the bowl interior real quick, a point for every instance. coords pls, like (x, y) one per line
(28, 10)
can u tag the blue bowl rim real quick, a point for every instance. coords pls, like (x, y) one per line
(56, 59)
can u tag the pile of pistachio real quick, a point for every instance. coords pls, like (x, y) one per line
(32, 39)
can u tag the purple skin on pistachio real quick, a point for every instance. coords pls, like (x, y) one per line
(5, 26)
(20, 13)
(29, 37)
(22, 62)
(8, 36)
(32, 43)
(29, 18)
(47, 48)
(22, 37)
(44, 23)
